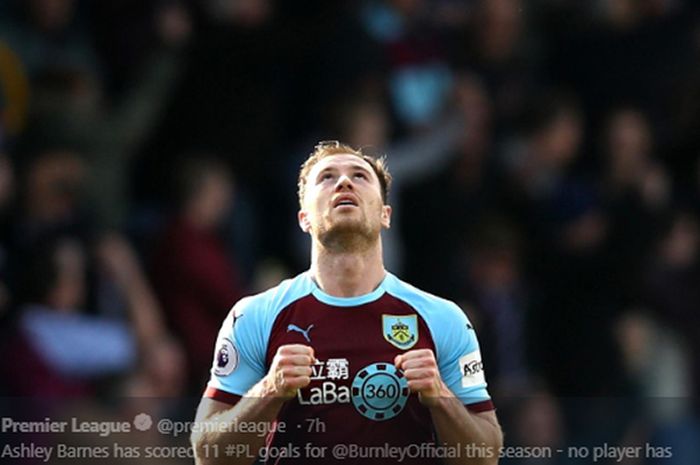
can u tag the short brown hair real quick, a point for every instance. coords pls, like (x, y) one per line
(328, 148)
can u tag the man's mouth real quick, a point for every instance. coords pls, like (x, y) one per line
(344, 201)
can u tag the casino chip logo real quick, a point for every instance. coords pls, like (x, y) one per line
(379, 391)
(226, 358)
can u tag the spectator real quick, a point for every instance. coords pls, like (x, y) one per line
(419, 78)
(51, 201)
(637, 192)
(69, 106)
(656, 361)
(61, 350)
(669, 284)
(451, 189)
(48, 34)
(497, 289)
(538, 421)
(498, 45)
(196, 278)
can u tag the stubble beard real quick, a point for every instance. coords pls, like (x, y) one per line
(348, 236)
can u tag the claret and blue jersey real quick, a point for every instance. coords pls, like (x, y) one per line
(355, 390)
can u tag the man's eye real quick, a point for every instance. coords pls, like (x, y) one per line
(361, 175)
(326, 176)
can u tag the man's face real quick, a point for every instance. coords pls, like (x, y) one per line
(343, 202)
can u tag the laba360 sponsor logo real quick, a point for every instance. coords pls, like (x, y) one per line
(328, 392)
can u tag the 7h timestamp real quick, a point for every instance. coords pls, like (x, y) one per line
(315, 425)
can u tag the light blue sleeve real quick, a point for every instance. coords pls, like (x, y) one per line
(458, 355)
(239, 355)
(241, 347)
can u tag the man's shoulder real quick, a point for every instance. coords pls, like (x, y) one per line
(447, 323)
(420, 299)
(275, 299)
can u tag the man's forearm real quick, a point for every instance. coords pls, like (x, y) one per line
(259, 405)
(458, 427)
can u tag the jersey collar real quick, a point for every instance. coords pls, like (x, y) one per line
(347, 301)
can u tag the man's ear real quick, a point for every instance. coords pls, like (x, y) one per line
(386, 216)
(303, 219)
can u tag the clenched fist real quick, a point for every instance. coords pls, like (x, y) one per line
(421, 371)
(290, 369)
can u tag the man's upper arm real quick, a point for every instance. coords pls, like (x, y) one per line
(239, 354)
(459, 360)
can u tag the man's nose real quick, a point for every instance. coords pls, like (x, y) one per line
(343, 182)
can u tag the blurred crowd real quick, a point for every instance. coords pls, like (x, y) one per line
(546, 157)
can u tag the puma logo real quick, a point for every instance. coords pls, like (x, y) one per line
(235, 319)
(304, 332)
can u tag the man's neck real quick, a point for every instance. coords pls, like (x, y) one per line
(347, 274)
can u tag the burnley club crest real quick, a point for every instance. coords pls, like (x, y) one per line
(400, 330)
